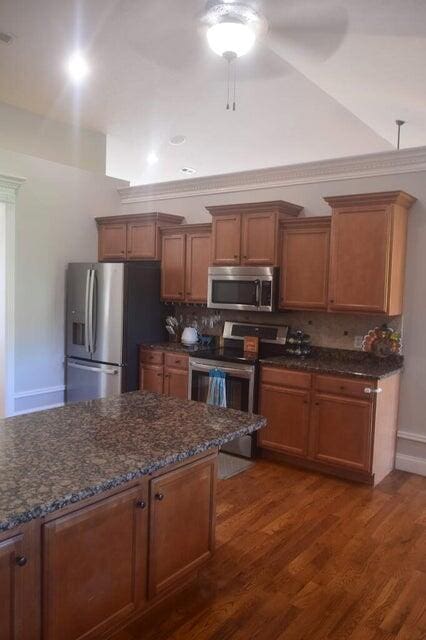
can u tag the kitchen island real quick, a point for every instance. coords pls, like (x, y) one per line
(106, 507)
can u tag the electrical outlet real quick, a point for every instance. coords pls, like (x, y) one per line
(358, 342)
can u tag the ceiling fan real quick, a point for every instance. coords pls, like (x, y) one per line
(278, 28)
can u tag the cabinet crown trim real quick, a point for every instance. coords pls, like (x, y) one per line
(188, 228)
(153, 216)
(379, 198)
(311, 221)
(273, 206)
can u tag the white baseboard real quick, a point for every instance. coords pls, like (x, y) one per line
(39, 399)
(411, 435)
(412, 464)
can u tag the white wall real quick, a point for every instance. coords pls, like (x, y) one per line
(55, 213)
(29, 133)
(412, 418)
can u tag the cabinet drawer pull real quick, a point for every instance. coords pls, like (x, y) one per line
(159, 496)
(21, 561)
(159, 375)
(141, 504)
(370, 390)
(177, 361)
(331, 301)
(236, 256)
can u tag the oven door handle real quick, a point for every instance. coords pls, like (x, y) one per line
(237, 372)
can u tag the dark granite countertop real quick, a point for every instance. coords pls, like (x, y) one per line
(57, 457)
(174, 347)
(340, 362)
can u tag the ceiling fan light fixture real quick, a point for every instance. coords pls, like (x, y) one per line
(231, 38)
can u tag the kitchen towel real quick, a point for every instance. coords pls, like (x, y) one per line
(217, 388)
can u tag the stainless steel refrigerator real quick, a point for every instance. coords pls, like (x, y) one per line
(110, 309)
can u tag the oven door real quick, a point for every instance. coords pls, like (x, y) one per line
(240, 381)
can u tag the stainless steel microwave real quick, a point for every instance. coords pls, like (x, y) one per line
(242, 288)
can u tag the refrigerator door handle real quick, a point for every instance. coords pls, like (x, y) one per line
(110, 372)
(92, 311)
(86, 313)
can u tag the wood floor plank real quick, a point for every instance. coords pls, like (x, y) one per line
(302, 556)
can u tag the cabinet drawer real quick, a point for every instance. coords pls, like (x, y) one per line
(285, 377)
(151, 357)
(344, 386)
(176, 360)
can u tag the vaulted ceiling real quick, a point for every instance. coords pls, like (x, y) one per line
(328, 79)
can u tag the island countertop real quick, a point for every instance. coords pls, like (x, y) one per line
(54, 458)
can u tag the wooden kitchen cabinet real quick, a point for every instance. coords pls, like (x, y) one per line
(342, 430)
(287, 413)
(132, 237)
(170, 379)
(112, 240)
(304, 263)
(152, 378)
(185, 262)
(368, 246)
(341, 425)
(173, 267)
(182, 519)
(11, 589)
(226, 239)
(176, 383)
(198, 249)
(95, 566)
(247, 234)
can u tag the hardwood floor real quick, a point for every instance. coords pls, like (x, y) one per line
(301, 556)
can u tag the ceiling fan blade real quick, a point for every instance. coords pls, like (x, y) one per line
(312, 28)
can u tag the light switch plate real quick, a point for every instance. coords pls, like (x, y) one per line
(358, 340)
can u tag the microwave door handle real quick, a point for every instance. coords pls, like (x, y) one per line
(258, 284)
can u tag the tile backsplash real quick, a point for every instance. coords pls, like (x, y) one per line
(326, 329)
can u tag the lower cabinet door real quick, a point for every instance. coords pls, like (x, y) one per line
(151, 378)
(342, 431)
(182, 504)
(287, 412)
(176, 383)
(11, 589)
(94, 567)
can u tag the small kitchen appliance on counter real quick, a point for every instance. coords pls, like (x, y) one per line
(240, 369)
(189, 336)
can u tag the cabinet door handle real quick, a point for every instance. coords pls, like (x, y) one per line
(141, 504)
(21, 561)
(236, 256)
(331, 301)
(370, 390)
(159, 375)
(188, 293)
(245, 257)
(159, 496)
(180, 293)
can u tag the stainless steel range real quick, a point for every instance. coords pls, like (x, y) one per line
(240, 371)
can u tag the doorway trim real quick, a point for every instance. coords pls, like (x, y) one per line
(9, 186)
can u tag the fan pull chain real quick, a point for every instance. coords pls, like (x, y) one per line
(229, 82)
(235, 85)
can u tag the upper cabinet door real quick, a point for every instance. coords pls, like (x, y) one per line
(226, 239)
(173, 267)
(259, 239)
(368, 245)
(112, 241)
(360, 259)
(142, 241)
(304, 265)
(198, 249)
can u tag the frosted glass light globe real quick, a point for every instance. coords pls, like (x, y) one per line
(230, 37)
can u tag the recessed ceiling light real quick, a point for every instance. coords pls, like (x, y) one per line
(177, 140)
(188, 170)
(77, 67)
(152, 158)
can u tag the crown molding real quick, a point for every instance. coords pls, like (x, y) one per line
(365, 166)
(9, 186)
